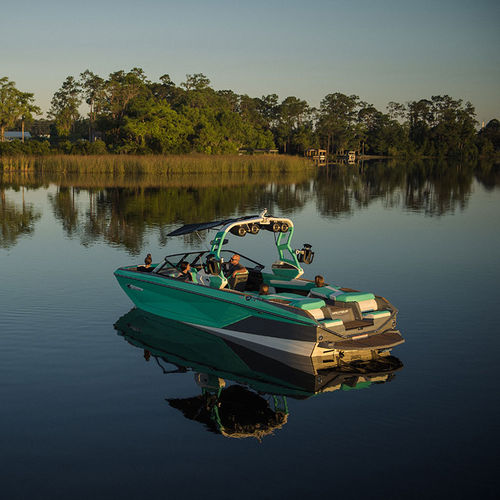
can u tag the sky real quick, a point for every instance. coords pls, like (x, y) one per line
(380, 50)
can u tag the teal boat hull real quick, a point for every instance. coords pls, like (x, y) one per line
(192, 303)
(272, 328)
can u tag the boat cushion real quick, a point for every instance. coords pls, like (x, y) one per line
(296, 300)
(205, 279)
(308, 304)
(217, 282)
(376, 314)
(290, 283)
(329, 323)
(316, 313)
(291, 295)
(354, 297)
(368, 305)
(325, 292)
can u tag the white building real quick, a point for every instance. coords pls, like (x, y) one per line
(13, 135)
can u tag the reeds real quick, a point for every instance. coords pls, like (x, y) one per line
(159, 165)
(34, 178)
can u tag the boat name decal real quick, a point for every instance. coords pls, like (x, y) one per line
(133, 287)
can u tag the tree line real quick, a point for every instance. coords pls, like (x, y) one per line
(128, 113)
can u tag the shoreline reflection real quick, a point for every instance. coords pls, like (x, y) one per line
(120, 211)
(243, 393)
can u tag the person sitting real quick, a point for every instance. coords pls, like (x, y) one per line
(235, 267)
(185, 269)
(236, 274)
(264, 289)
(319, 281)
(146, 268)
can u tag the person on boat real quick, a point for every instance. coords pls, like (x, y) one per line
(235, 267)
(319, 281)
(185, 268)
(146, 268)
(264, 289)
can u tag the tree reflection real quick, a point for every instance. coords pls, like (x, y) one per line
(14, 221)
(432, 188)
(121, 211)
(65, 209)
(488, 174)
(121, 216)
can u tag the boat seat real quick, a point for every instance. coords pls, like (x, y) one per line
(376, 314)
(310, 304)
(144, 269)
(217, 282)
(238, 282)
(254, 281)
(210, 280)
(367, 305)
(330, 323)
(292, 283)
(325, 292)
(354, 297)
(305, 303)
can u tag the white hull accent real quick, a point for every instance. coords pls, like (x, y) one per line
(299, 347)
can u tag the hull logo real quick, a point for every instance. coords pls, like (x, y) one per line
(133, 287)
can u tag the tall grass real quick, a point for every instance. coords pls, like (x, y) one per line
(35, 178)
(155, 164)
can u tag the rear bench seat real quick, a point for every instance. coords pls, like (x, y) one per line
(312, 305)
(366, 301)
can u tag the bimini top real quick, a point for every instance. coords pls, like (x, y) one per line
(227, 224)
(202, 226)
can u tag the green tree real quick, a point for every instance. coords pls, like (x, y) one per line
(292, 115)
(166, 90)
(153, 126)
(454, 126)
(229, 100)
(269, 109)
(64, 107)
(14, 106)
(27, 110)
(442, 125)
(489, 137)
(396, 111)
(337, 119)
(196, 82)
(121, 89)
(93, 89)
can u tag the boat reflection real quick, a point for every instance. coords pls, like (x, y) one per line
(243, 393)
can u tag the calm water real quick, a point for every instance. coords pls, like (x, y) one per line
(88, 410)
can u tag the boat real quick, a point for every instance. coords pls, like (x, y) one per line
(241, 393)
(330, 323)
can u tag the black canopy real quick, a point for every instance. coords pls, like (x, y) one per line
(202, 226)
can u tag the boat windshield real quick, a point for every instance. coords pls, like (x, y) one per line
(196, 260)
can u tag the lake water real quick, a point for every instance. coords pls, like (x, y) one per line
(88, 410)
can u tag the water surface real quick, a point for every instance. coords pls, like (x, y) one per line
(87, 411)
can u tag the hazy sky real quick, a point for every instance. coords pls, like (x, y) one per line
(381, 50)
